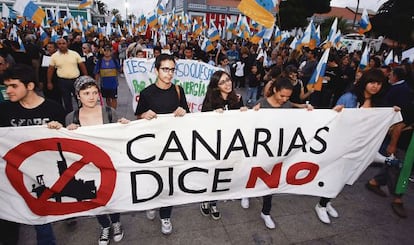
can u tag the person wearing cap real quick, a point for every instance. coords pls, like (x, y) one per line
(106, 72)
(69, 66)
(26, 108)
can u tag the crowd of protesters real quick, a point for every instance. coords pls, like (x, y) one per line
(274, 77)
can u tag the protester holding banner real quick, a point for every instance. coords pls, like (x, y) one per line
(162, 97)
(365, 94)
(91, 113)
(26, 108)
(280, 92)
(398, 94)
(220, 96)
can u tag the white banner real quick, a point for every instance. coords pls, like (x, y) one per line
(48, 175)
(193, 76)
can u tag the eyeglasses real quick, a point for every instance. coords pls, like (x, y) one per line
(227, 80)
(166, 69)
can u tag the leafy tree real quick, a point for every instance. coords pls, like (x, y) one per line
(342, 25)
(293, 13)
(395, 20)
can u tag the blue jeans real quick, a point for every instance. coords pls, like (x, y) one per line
(165, 212)
(105, 220)
(45, 235)
(252, 94)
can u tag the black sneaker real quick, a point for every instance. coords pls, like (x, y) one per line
(215, 214)
(118, 231)
(205, 209)
(104, 238)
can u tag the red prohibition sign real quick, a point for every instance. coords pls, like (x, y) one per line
(90, 154)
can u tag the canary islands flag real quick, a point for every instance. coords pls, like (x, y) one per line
(259, 10)
(364, 24)
(207, 46)
(258, 36)
(29, 9)
(364, 59)
(389, 59)
(44, 37)
(84, 4)
(315, 82)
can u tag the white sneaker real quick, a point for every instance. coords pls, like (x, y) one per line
(331, 210)
(118, 231)
(166, 226)
(104, 238)
(150, 214)
(268, 221)
(322, 214)
(244, 203)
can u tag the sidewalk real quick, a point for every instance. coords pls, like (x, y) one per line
(365, 218)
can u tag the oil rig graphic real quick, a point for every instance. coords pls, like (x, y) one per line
(75, 188)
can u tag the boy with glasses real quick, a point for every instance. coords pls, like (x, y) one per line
(162, 97)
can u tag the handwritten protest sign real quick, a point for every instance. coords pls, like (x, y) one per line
(193, 76)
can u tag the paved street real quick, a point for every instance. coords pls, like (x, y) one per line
(365, 218)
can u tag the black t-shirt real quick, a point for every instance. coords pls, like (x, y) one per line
(297, 89)
(13, 114)
(161, 101)
(253, 81)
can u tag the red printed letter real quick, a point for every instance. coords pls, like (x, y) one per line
(300, 166)
(272, 180)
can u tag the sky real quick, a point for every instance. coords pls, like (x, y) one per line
(368, 4)
(144, 6)
(134, 6)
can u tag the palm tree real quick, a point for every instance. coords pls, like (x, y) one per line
(102, 7)
(343, 25)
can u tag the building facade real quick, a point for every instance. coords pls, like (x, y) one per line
(210, 10)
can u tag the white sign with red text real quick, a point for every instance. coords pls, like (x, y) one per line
(48, 175)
